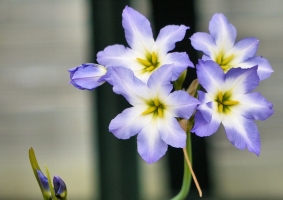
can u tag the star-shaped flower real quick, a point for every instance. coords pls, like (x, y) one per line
(228, 100)
(146, 55)
(220, 47)
(154, 111)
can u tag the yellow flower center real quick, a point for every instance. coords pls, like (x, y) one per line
(224, 61)
(224, 102)
(150, 63)
(155, 107)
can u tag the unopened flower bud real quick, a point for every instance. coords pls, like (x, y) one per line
(59, 187)
(43, 181)
(87, 76)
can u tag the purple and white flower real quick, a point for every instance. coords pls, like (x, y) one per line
(87, 76)
(154, 111)
(220, 47)
(146, 55)
(228, 100)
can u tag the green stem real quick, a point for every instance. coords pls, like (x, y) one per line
(187, 177)
(50, 184)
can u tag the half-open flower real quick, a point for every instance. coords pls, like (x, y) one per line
(229, 100)
(87, 76)
(154, 111)
(220, 47)
(146, 55)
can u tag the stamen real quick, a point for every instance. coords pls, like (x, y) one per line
(225, 67)
(156, 102)
(219, 58)
(220, 107)
(144, 62)
(230, 103)
(220, 96)
(227, 60)
(149, 110)
(160, 112)
(154, 58)
(150, 68)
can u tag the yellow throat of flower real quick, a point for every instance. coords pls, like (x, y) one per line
(224, 61)
(224, 102)
(155, 107)
(150, 63)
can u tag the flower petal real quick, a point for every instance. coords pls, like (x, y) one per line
(241, 81)
(137, 30)
(167, 38)
(180, 60)
(171, 132)
(126, 84)
(243, 50)
(210, 76)
(204, 42)
(181, 104)
(87, 76)
(159, 81)
(150, 146)
(206, 108)
(253, 106)
(242, 132)
(129, 122)
(222, 31)
(264, 69)
(204, 97)
(203, 128)
(117, 56)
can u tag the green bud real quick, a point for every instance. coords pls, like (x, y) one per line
(59, 192)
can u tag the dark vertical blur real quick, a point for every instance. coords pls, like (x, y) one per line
(178, 12)
(117, 159)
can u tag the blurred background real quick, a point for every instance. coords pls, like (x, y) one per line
(40, 40)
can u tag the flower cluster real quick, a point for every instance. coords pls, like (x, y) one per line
(144, 74)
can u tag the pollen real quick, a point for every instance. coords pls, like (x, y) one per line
(150, 63)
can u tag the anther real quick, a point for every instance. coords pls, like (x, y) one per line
(150, 68)
(225, 67)
(154, 58)
(160, 112)
(230, 103)
(219, 58)
(156, 102)
(149, 110)
(144, 62)
(220, 97)
(220, 107)
(227, 60)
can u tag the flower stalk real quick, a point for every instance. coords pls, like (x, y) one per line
(187, 177)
